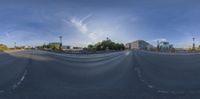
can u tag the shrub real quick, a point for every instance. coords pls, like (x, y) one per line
(3, 47)
(106, 45)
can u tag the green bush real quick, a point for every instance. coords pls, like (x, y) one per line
(106, 45)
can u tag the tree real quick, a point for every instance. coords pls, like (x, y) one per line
(106, 45)
(98, 46)
(198, 48)
(90, 47)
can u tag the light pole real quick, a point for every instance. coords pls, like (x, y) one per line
(193, 47)
(60, 47)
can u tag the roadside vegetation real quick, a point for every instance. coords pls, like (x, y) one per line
(3, 47)
(106, 45)
(196, 50)
(54, 47)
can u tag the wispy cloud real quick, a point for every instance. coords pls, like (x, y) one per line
(6, 34)
(159, 39)
(82, 25)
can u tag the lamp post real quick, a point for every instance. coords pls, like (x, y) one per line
(60, 47)
(193, 46)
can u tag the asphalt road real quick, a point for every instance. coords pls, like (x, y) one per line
(119, 75)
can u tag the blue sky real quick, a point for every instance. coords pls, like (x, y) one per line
(82, 22)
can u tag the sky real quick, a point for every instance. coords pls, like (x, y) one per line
(83, 22)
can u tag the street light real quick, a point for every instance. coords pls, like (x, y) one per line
(60, 47)
(193, 47)
(60, 39)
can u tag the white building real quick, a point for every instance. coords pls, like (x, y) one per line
(165, 46)
(139, 45)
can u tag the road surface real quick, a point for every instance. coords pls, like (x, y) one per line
(120, 75)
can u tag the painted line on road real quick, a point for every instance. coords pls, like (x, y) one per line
(14, 86)
(20, 81)
(158, 90)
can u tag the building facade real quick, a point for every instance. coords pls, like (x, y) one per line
(165, 46)
(71, 48)
(66, 47)
(139, 45)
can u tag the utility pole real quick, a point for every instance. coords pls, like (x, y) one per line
(60, 47)
(193, 47)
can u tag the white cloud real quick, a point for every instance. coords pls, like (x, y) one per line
(95, 29)
(82, 25)
(159, 39)
(6, 34)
